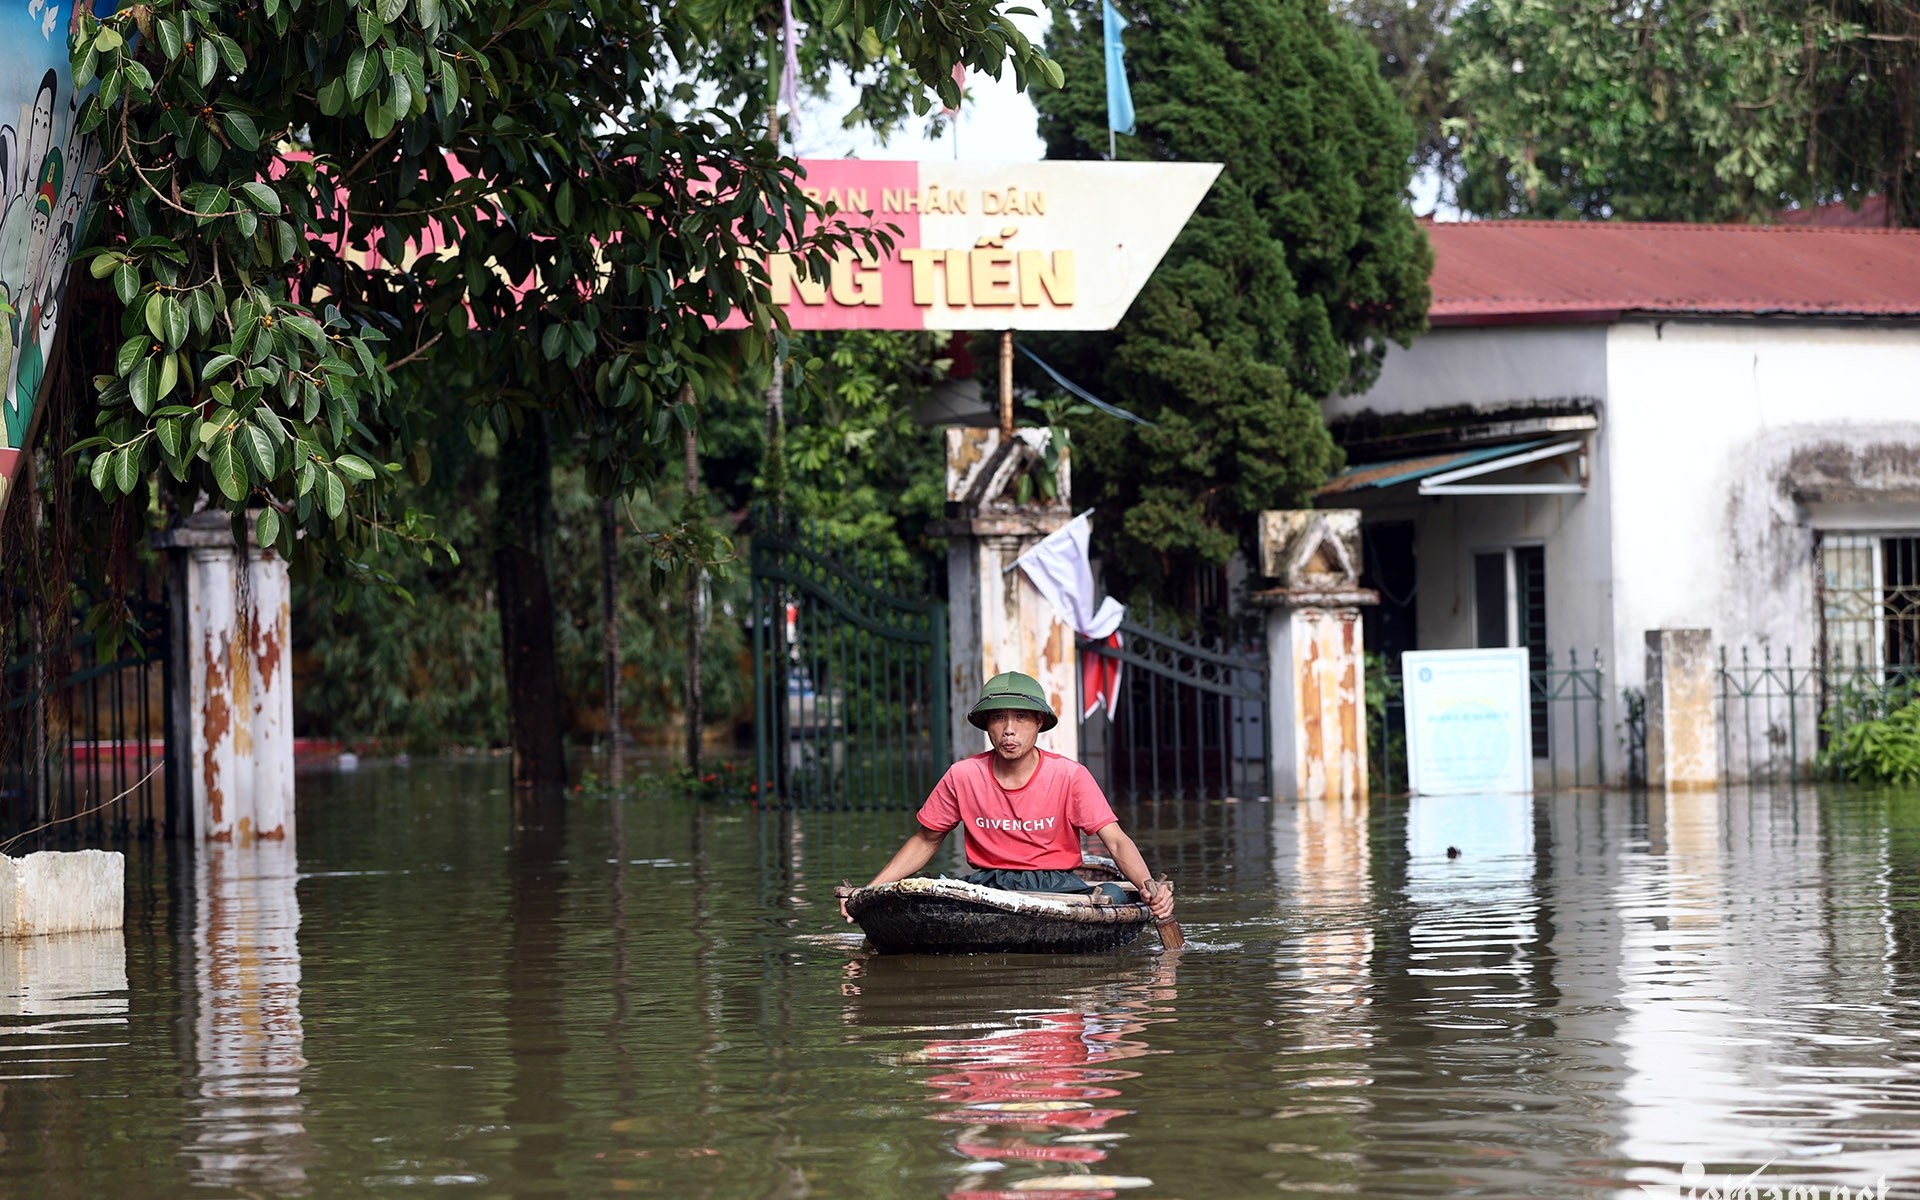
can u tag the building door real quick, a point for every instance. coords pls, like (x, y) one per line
(1390, 626)
(1510, 609)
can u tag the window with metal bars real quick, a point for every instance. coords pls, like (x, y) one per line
(1870, 604)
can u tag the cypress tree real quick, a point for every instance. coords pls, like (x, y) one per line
(1300, 265)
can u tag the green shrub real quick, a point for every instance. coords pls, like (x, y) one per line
(1870, 749)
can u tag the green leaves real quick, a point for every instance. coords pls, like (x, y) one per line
(1298, 267)
(258, 448)
(333, 494)
(1685, 110)
(229, 473)
(242, 132)
(363, 71)
(257, 288)
(1870, 748)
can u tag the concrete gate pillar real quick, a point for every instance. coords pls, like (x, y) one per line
(997, 620)
(1683, 743)
(1316, 676)
(232, 693)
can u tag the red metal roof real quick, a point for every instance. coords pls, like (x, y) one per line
(1565, 272)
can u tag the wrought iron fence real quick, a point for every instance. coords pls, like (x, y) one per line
(1189, 718)
(1386, 727)
(1576, 721)
(84, 735)
(1568, 704)
(1633, 713)
(1769, 715)
(849, 676)
(1777, 714)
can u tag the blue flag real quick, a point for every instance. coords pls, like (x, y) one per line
(1119, 96)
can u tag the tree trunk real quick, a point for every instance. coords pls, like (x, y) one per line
(610, 633)
(696, 717)
(775, 474)
(522, 537)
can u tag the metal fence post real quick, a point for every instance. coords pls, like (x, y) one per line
(942, 731)
(1599, 718)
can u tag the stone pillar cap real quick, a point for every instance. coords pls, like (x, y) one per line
(1307, 597)
(208, 529)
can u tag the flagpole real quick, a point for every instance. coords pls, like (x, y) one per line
(1119, 95)
(1006, 385)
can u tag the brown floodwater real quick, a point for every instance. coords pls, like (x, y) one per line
(1598, 992)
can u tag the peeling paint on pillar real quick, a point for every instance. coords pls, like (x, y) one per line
(997, 620)
(1313, 768)
(266, 659)
(1352, 685)
(271, 726)
(1323, 752)
(1317, 687)
(211, 619)
(239, 690)
(216, 720)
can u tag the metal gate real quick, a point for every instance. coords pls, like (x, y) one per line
(1190, 719)
(83, 731)
(849, 676)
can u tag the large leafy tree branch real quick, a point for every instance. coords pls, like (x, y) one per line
(272, 173)
(744, 57)
(1299, 267)
(1686, 109)
(528, 206)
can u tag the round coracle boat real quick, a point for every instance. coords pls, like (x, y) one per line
(951, 916)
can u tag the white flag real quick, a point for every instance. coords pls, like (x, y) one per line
(1059, 568)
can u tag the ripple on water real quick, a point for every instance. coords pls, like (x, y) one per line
(1601, 989)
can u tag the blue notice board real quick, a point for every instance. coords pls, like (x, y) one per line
(1468, 728)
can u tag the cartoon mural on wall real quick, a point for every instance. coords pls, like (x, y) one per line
(46, 179)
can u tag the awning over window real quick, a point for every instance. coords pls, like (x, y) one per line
(1456, 472)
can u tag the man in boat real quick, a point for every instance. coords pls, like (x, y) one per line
(1022, 808)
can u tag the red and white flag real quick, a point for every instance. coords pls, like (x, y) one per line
(1060, 570)
(959, 81)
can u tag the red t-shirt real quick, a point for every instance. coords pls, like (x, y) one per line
(1034, 827)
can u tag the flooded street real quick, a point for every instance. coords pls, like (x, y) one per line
(1595, 991)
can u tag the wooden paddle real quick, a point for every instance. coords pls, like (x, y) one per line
(1171, 937)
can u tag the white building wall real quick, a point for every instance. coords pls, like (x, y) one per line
(1501, 372)
(1722, 446)
(1574, 531)
(1717, 431)
(1485, 369)
(1449, 531)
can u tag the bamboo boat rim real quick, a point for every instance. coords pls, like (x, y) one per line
(1056, 906)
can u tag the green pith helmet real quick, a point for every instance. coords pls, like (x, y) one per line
(1012, 690)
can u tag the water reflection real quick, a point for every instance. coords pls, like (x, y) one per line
(1599, 989)
(1761, 1028)
(63, 1002)
(1329, 879)
(1030, 1092)
(1470, 887)
(536, 1109)
(247, 1123)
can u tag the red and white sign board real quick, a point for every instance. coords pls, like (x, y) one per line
(1029, 245)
